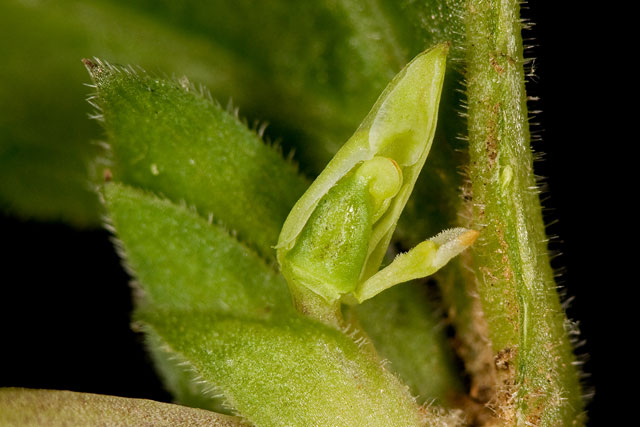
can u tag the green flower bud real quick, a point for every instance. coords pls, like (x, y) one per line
(335, 237)
(332, 248)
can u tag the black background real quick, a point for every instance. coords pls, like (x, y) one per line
(65, 303)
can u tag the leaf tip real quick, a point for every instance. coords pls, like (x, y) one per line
(91, 66)
(96, 67)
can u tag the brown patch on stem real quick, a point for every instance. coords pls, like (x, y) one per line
(504, 359)
(496, 66)
(473, 346)
(471, 342)
(503, 402)
(492, 375)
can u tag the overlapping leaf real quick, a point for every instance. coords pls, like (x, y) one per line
(259, 365)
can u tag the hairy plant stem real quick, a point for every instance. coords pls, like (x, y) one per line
(539, 382)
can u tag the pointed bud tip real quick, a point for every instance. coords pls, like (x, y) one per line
(444, 47)
(440, 50)
(468, 237)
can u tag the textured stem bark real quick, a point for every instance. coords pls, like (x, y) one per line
(539, 382)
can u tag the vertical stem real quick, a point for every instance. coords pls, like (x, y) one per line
(539, 382)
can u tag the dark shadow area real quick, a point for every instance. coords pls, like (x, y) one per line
(574, 141)
(65, 308)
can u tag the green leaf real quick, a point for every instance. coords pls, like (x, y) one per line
(44, 181)
(20, 407)
(181, 380)
(320, 72)
(43, 160)
(181, 261)
(169, 138)
(290, 371)
(527, 325)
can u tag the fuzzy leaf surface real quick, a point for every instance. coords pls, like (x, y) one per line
(20, 407)
(183, 262)
(286, 371)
